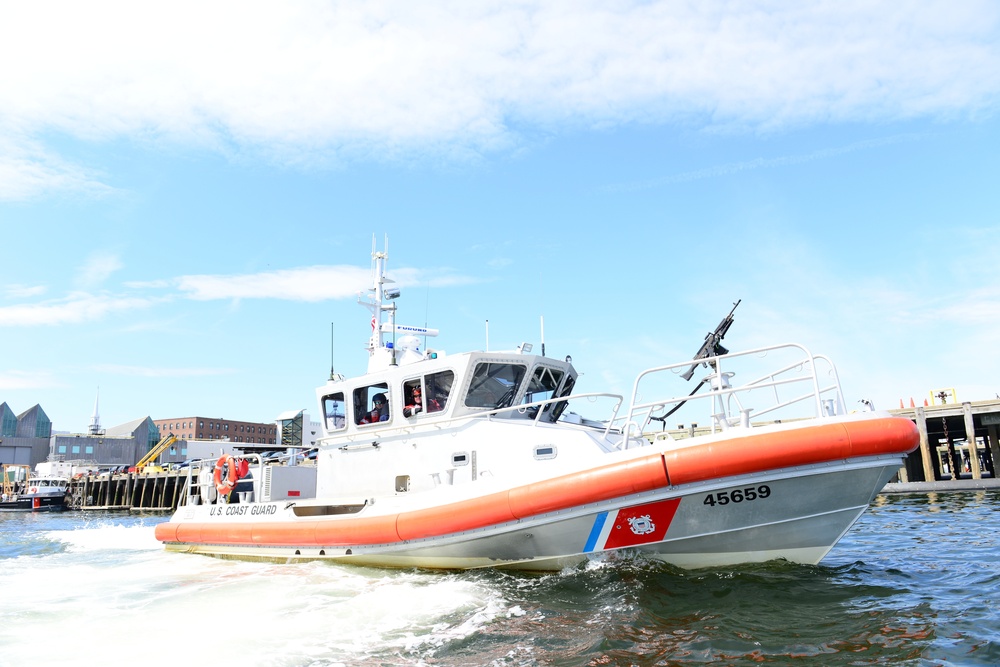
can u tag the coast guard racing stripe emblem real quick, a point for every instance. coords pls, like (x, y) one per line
(631, 526)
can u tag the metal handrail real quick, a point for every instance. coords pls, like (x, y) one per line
(727, 397)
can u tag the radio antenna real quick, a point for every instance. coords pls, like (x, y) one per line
(333, 375)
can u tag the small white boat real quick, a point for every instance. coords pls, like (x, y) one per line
(24, 492)
(484, 459)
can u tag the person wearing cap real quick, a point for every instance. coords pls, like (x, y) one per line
(380, 410)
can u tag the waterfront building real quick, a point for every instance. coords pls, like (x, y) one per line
(24, 438)
(117, 446)
(297, 430)
(211, 428)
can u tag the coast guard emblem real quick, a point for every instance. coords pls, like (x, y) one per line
(641, 525)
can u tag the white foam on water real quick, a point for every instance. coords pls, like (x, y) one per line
(105, 536)
(115, 592)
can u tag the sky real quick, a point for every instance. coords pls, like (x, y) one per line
(189, 192)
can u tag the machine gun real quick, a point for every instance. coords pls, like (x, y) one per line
(712, 347)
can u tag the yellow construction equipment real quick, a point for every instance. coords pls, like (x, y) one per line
(160, 447)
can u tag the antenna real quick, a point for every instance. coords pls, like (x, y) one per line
(332, 374)
(542, 317)
(487, 335)
(427, 307)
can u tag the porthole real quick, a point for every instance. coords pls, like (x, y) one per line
(543, 452)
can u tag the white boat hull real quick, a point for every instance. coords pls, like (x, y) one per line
(802, 516)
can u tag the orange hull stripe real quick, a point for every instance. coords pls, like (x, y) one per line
(166, 532)
(882, 436)
(830, 442)
(466, 515)
(605, 483)
(368, 530)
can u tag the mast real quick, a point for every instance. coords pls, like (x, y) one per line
(379, 353)
(383, 353)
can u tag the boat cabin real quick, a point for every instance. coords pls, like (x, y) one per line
(406, 385)
(503, 384)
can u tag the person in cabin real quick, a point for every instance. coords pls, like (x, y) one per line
(380, 410)
(417, 404)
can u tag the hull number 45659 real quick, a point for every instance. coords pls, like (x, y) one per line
(738, 495)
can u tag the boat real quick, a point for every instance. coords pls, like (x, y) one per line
(491, 459)
(25, 492)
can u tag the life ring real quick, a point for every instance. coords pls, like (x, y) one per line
(225, 484)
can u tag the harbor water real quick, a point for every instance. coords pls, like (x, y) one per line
(914, 582)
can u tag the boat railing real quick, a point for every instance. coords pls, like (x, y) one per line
(800, 385)
(195, 483)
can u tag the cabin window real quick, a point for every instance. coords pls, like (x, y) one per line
(438, 388)
(567, 389)
(428, 394)
(335, 411)
(543, 385)
(494, 385)
(371, 404)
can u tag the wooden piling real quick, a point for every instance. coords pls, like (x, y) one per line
(148, 492)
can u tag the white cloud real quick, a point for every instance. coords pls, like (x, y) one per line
(314, 283)
(98, 267)
(23, 291)
(152, 372)
(12, 380)
(73, 309)
(27, 170)
(759, 163)
(315, 81)
(311, 283)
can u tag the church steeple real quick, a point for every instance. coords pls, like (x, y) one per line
(95, 421)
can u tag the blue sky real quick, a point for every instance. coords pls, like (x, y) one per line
(188, 192)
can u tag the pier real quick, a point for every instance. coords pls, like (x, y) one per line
(944, 460)
(151, 492)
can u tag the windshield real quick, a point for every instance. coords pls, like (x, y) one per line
(494, 385)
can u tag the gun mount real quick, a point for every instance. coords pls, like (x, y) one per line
(712, 347)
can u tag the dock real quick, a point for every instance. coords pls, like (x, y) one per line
(146, 492)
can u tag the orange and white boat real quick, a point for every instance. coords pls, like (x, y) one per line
(483, 459)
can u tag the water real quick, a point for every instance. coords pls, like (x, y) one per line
(913, 583)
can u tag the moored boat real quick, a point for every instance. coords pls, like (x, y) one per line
(485, 459)
(25, 492)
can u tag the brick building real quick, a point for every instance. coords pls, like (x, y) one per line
(209, 428)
